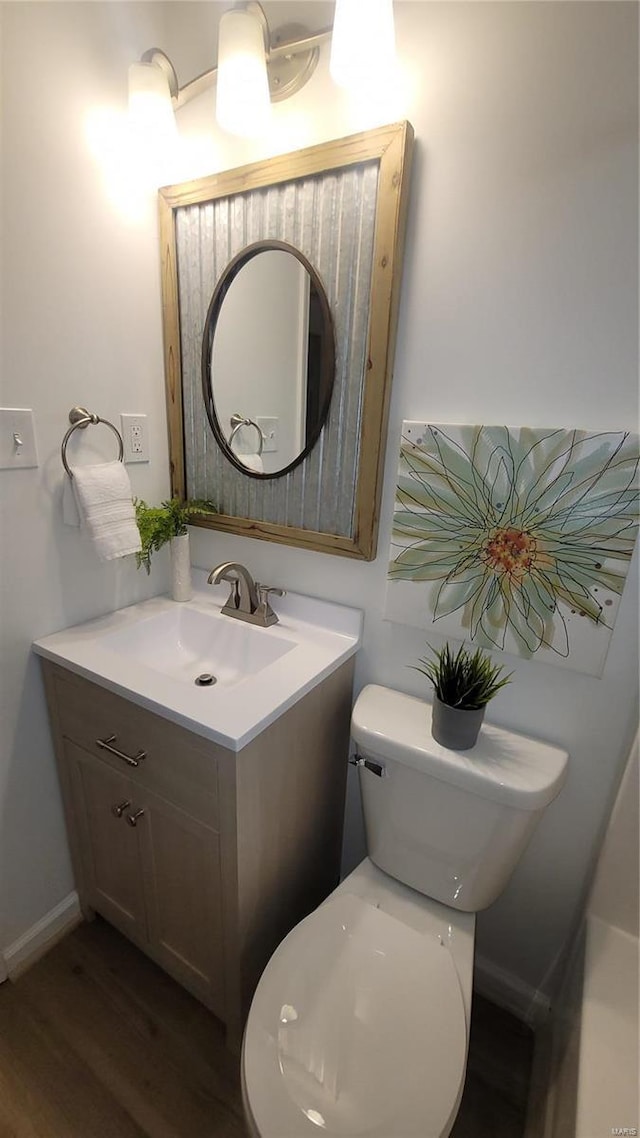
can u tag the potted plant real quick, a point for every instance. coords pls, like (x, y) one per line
(463, 683)
(168, 523)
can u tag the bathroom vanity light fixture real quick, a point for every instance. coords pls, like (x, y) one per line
(255, 69)
(243, 105)
(363, 46)
(150, 108)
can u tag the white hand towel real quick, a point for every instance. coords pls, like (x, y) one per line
(252, 462)
(103, 494)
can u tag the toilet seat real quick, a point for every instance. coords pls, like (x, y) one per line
(357, 1027)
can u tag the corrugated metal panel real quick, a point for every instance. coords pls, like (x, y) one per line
(330, 218)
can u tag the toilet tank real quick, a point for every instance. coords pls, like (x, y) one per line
(451, 824)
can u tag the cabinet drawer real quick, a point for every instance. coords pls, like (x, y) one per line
(176, 764)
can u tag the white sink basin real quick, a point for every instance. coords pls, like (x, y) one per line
(153, 652)
(185, 644)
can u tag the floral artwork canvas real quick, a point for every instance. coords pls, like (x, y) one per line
(514, 538)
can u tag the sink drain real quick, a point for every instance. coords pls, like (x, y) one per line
(205, 680)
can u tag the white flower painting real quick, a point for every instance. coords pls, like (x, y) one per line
(515, 538)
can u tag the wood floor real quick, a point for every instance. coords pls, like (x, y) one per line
(97, 1042)
(496, 1091)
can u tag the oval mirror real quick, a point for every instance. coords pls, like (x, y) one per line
(268, 359)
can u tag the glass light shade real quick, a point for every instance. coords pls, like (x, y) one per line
(150, 108)
(363, 44)
(243, 104)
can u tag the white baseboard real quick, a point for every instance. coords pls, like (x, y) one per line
(509, 992)
(40, 937)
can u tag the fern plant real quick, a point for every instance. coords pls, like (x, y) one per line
(462, 679)
(158, 524)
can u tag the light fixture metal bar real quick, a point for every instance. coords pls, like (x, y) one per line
(195, 87)
(160, 59)
(292, 47)
(277, 51)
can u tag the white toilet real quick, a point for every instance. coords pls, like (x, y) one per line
(360, 1022)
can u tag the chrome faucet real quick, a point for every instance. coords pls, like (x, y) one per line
(247, 600)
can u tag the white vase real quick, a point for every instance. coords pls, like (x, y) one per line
(180, 568)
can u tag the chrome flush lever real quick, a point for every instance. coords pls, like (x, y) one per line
(372, 765)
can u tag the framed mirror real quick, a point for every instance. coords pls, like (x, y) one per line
(304, 467)
(268, 347)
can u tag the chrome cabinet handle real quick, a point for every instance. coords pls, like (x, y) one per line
(130, 760)
(132, 819)
(119, 810)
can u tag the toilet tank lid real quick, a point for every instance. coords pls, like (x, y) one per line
(507, 768)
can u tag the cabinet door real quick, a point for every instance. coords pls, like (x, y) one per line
(181, 863)
(109, 845)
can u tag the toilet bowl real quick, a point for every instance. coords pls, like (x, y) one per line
(359, 1024)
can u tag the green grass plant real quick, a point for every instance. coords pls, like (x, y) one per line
(463, 679)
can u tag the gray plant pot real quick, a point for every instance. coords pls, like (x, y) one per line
(455, 728)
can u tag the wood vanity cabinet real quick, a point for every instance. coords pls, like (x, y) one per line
(204, 857)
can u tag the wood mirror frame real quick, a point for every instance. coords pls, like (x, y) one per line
(389, 150)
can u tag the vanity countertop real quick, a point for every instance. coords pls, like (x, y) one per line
(152, 653)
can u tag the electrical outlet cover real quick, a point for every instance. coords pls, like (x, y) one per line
(134, 438)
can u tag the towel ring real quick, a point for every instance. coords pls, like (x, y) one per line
(80, 417)
(237, 421)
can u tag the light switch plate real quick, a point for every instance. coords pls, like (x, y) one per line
(17, 438)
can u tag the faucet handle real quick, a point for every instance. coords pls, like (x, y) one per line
(267, 615)
(264, 590)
